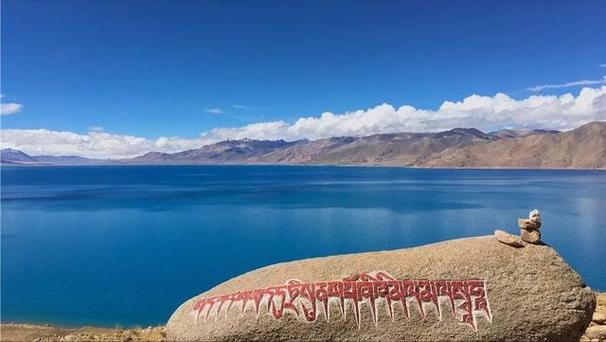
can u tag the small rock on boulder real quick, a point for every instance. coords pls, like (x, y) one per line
(528, 224)
(508, 239)
(530, 236)
(533, 222)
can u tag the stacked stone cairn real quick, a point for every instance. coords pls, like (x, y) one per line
(529, 231)
(529, 228)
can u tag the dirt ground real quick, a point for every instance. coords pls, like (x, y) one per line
(28, 332)
(42, 333)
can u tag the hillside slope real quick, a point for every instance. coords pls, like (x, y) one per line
(583, 147)
(382, 149)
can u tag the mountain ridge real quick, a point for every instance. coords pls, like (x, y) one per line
(583, 147)
(12, 156)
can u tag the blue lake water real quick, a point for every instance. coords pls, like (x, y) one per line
(126, 245)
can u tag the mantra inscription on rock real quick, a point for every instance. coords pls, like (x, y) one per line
(465, 300)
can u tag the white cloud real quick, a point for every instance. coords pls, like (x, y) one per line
(486, 113)
(214, 110)
(242, 107)
(10, 108)
(94, 144)
(602, 65)
(568, 84)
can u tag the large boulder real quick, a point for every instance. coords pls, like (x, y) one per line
(468, 289)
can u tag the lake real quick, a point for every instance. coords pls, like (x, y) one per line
(125, 245)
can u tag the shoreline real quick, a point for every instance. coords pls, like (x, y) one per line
(48, 333)
(503, 168)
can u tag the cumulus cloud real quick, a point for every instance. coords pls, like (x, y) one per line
(214, 110)
(10, 108)
(94, 144)
(486, 113)
(568, 84)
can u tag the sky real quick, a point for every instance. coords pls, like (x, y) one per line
(112, 79)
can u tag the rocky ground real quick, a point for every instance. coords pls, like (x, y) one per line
(27, 332)
(597, 328)
(38, 333)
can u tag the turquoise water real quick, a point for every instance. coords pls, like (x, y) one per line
(126, 245)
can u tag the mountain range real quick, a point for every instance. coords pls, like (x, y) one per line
(583, 147)
(15, 157)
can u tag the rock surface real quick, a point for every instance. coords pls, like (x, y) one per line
(595, 333)
(600, 312)
(597, 329)
(533, 295)
(29, 332)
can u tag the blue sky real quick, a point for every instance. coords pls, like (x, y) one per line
(179, 69)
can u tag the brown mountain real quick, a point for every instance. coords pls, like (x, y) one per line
(245, 151)
(518, 133)
(583, 147)
(382, 149)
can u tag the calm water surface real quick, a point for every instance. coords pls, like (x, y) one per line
(126, 245)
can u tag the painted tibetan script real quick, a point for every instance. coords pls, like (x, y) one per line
(465, 300)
